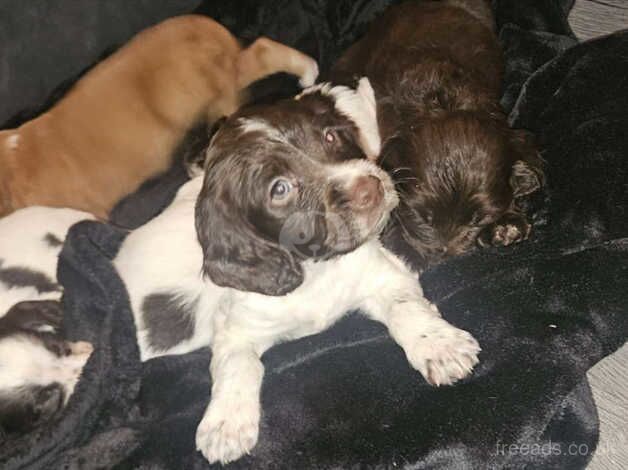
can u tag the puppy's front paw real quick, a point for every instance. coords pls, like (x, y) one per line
(81, 348)
(228, 430)
(512, 228)
(443, 353)
(310, 73)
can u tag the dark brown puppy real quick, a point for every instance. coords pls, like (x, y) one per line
(436, 69)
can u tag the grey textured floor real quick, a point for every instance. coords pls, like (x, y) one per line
(591, 18)
(609, 378)
(609, 381)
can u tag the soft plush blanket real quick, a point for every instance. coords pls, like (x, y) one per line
(544, 311)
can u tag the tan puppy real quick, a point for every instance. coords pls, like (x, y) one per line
(120, 123)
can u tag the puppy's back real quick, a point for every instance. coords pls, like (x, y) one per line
(119, 124)
(32, 237)
(457, 32)
(164, 252)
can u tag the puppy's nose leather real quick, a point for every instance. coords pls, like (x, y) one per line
(366, 193)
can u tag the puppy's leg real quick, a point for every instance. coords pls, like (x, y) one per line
(230, 425)
(440, 351)
(510, 228)
(265, 57)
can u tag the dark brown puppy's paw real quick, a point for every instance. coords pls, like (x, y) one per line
(509, 229)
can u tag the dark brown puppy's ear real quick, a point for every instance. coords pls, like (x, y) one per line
(33, 315)
(235, 256)
(527, 170)
(193, 147)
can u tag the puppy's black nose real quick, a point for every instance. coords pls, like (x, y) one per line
(366, 193)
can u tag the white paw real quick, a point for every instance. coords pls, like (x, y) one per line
(309, 76)
(74, 362)
(81, 348)
(228, 430)
(442, 353)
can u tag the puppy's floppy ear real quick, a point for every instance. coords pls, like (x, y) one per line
(357, 104)
(194, 145)
(527, 170)
(33, 315)
(362, 109)
(525, 179)
(234, 254)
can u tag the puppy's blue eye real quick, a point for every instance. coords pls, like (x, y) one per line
(280, 189)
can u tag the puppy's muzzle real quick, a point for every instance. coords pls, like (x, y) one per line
(366, 194)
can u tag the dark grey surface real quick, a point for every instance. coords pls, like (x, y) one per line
(609, 378)
(40, 48)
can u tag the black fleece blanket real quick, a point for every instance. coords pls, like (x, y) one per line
(544, 311)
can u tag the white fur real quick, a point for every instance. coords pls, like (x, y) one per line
(25, 362)
(22, 240)
(260, 125)
(23, 245)
(358, 105)
(309, 75)
(165, 256)
(12, 141)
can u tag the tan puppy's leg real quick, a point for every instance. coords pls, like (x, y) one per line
(265, 57)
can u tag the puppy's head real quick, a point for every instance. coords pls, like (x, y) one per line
(24, 408)
(290, 182)
(465, 170)
(38, 368)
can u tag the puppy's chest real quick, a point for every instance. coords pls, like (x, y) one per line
(326, 294)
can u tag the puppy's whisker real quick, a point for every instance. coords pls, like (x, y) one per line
(401, 168)
(381, 162)
(400, 222)
(406, 179)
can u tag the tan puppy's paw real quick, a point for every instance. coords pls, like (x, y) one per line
(310, 74)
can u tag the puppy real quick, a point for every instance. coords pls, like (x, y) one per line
(436, 69)
(119, 125)
(277, 241)
(38, 368)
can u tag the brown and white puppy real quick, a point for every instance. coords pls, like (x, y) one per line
(277, 241)
(38, 367)
(119, 125)
(436, 69)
